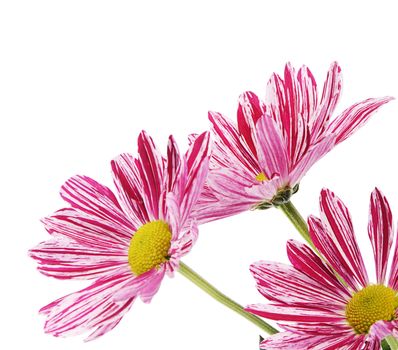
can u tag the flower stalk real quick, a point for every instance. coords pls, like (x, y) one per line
(223, 299)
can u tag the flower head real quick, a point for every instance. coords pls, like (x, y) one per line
(330, 303)
(260, 161)
(126, 245)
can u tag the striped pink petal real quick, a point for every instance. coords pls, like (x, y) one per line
(380, 229)
(294, 341)
(63, 258)
(309, 94)
(129, 185)
(196, 161)
(250, 109)
(88, 230)
(285, 284)
(228, 140)
(184, 244)
(317, 328)
(151, 168)
(330, 97)
(382, 329)
(313, 154)
(93, 198)
(284, 312)
(173, 165)
(91, 309)
(393, 279)
(144, 286)
(341, 239)
(271, 148)
(354, 117)
(304, 259)
(284, 99)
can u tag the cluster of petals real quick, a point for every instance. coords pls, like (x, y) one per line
(309, 300)
(276, 141)
(91, 238)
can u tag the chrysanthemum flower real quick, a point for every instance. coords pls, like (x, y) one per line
(330, 303)
(127, 244)
(260, 160)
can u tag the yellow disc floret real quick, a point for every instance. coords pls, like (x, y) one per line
(371, 304)
(149, 246)
(261, 177)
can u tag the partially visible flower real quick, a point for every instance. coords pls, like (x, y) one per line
(127, 244)
(319, 309)
(260, 161)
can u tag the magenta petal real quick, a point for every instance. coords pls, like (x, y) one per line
(271, 148)
(382, 329)
(89, 230)
(354, 117)
(249, 111)
(91, 309)
(304, 259)
(284, 312)
(173, 165)
(129, 184)
(196, 163)
(337, 222)
(65, 259)
(330, 97)
(380, 229)
(151, 168)
(285, 284)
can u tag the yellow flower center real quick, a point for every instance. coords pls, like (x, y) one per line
(371, 304)
(149, 247)
(261, 177)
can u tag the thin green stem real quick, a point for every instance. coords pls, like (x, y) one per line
(391, 342)
(297, 220)
(223, 299)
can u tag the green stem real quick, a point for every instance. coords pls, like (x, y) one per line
(391, 342)
(223, 299)
(297, 220)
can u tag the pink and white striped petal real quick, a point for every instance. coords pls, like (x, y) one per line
(393, 278)
(250, 109)
(330, 97)
(285, 312)
(313, 154)
(93, 198)
(90, 231)
(283, 283)
(196, 161)
(173, 166)
(354, 117)
(129, 185)
(380, 229)
(304, 259)
(271, 148)
(91, 309)
(151, 169)
(63, 258)
(337, 221)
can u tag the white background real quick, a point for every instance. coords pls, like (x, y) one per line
(80, 79)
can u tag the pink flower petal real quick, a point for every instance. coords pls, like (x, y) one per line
(228, 143)
(173, 165)
(382, 329)
(183, 245)
(95, 199)
(249, 111)
(91, 309)
(283, 283)
(129, 185)
(313, 154)
(151, 168)
(304, 259)
(284, 312)
(309, 94)
(196, 161)
(271, 148)
(341, 245)
(354, 117)
(65, 259)
(330, 97)
(89, 230)
(380, 229)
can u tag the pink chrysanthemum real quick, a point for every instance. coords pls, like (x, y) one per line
(318, 309)
(128, 244)
(260, 160)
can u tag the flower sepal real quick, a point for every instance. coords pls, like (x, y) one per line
(282, 197)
